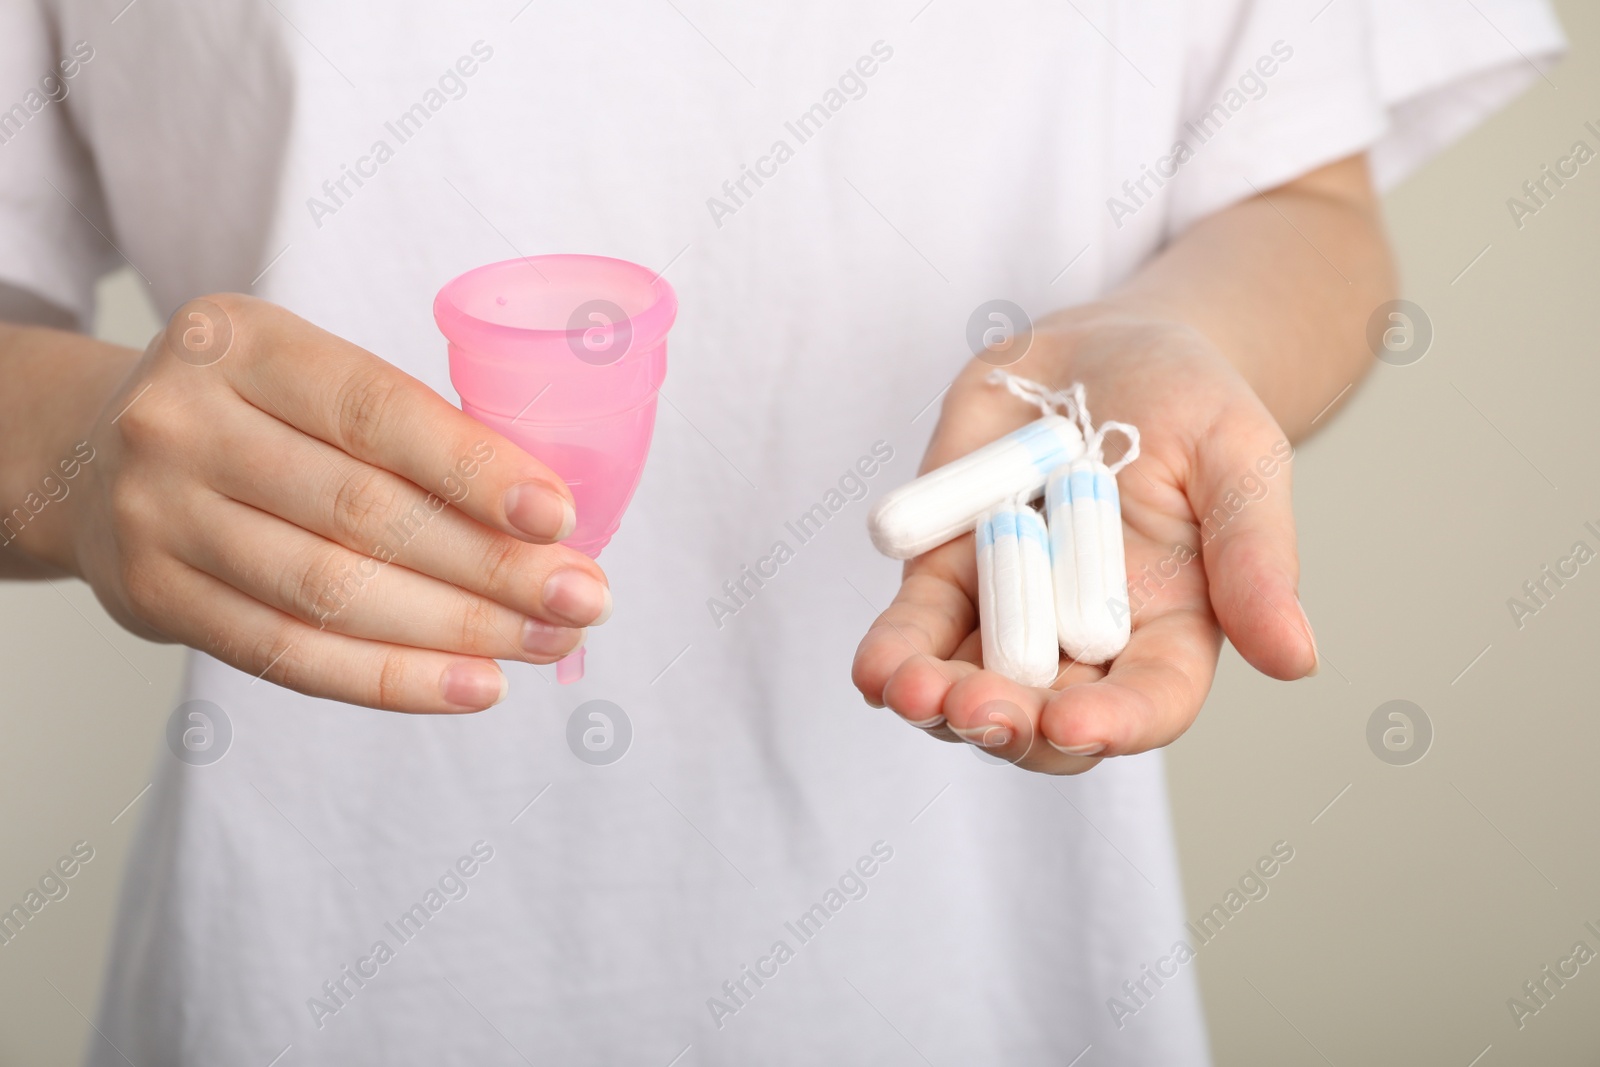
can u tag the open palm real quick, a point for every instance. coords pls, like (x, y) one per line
(1210, 550)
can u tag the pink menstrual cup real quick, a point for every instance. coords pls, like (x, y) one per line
(563, 355)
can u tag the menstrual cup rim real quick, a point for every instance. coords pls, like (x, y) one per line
(648, 326)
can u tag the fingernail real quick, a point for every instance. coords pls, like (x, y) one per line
(929, 724)
(1316, 657)
(577, 598)
(1094, 748)
(990, 736)
(871, 703)
(543, 639)
(539, 511)
(474, 685)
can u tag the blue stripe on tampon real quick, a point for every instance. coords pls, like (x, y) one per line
(1080, 485)
(1105, 486)
(1012, 524)
(1004, 524)
(1031, 526)
(1044, 446)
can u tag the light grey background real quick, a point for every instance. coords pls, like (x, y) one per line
(1420, 898)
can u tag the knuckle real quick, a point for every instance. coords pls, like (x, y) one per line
(236, 305)
(144, 424)
(271, 658)
(361, 404)
(477, 623)
(201, 332)
(131, 507)
(321, 585)
(389, 687)
(364, 495)
(503, 561)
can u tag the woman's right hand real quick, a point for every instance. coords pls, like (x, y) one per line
(300, 509)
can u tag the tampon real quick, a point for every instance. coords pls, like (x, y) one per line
(1016, 611)
(946, 502)
(1084, 517)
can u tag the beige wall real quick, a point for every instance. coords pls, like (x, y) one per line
(82, 707)
(1426, 896)
(1418, 902)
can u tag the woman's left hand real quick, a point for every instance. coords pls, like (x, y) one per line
(1210, 547)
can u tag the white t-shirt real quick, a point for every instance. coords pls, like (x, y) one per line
(536, 907)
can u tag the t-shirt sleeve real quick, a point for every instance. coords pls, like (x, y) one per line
(1296, 85)
(54, 236)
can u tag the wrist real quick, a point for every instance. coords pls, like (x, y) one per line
(63, 381)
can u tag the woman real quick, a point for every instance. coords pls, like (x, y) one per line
(774, 873)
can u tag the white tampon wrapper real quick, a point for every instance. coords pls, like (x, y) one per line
(945, 503)
(1084, 515)
(1016, 611)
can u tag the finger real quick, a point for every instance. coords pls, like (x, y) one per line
(1240, 491)
(916, 692)
(327, 586)
(246, 634)
(353, 400)
(368, 510)
(1148, 698)
(1002, 717)
(930, 616)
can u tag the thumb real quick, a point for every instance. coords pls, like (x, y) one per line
(1240, 493)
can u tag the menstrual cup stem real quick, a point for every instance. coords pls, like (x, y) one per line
(569, 669)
